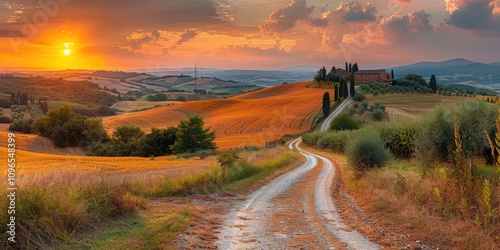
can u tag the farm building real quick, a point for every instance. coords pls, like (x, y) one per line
(372, 76)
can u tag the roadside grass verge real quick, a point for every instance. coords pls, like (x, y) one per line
(110, 214)
(219, 178)
(149, 230)
(421, 206)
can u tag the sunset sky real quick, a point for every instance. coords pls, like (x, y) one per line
(244, 34)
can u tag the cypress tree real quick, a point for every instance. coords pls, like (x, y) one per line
(352, 89)
(433, 83)
(350, 67)
(326, 104)
(355, 68)
(336, 94)
(346, 90)
(346, 67)
(341, 88)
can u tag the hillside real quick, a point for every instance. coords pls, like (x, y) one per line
(248, 119)
(82, 92)
(456, 71)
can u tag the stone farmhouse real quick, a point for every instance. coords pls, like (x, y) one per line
(365, 76)
(372, 76)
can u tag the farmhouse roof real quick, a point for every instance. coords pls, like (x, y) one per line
(371, 71)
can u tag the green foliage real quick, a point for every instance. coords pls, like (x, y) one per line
(311, 138)
(344, 122)
(5, 119)
(82, 92)
(334, 140)
(399, 138)
(21, 126)
(437, 142)
(228, 159)
(66, 128)
(358, 97)
(351, 86)
(158, 142)
(326, 104)
(336, 93)
(378, 114)
(192, 137)
(367, 151)
(433, 83)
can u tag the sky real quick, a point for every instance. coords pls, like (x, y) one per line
(244, 34)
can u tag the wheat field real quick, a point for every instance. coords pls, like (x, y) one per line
(248, 119)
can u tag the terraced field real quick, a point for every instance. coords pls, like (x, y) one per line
(248, 119)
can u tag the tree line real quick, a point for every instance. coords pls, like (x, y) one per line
(65, 128)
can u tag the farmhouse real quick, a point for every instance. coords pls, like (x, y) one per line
(372, 76)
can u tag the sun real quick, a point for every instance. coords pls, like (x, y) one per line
(67, 52)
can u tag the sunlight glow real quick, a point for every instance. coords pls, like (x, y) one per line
(67, 52)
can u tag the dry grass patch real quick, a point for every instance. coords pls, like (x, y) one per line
(405, 202)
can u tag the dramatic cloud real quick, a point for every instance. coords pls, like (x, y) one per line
(285, 18)
(474, 14)
(355, 12)
(186, 36)
(410, 23)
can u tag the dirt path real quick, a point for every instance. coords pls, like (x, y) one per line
(295, 210)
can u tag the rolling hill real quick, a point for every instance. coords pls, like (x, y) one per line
(457, 71)
(249, 119)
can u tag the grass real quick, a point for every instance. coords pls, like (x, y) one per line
(413, 104)
(217, 178)
(413, 203)
(88, 210)
(144, 231)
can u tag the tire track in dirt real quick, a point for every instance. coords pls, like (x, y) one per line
(275, 216)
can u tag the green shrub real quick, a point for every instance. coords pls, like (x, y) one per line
(344, 122)
(365, 104)
(311, 138)
(335, 140)
(5, 119)
(399, 138)
(358, 97)
(378, 114)
(350, 111)
(367, 151)
(355, 105)
(228, 159)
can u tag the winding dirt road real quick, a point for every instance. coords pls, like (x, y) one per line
(295, 210)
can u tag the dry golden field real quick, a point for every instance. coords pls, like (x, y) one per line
(248, 119)
(52, 169)
(34, 143)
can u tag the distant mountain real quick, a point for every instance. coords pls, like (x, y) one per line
(258, 77)
(456, 71)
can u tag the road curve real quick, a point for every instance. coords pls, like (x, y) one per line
(247, 226)
(335, 113)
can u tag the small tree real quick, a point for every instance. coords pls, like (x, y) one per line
(433, 83)
(392, 74)
(192, 137)
(326, 103)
